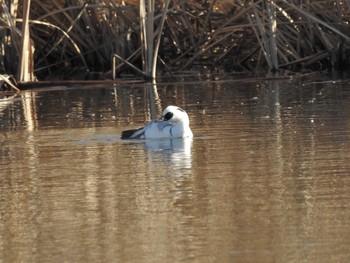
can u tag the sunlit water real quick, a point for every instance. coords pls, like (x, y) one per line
(265, 179)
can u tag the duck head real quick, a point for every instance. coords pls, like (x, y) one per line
(175, 114)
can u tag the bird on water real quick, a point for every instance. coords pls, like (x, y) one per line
(173, 124)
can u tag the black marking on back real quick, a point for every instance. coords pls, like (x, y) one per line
(129, 133)
(168, 116)
(178, 108)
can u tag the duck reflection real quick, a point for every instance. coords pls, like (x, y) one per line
(170, 169)
(175, 152)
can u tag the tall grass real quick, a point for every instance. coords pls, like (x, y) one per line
(75, 38)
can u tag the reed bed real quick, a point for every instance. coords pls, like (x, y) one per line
(79, 39)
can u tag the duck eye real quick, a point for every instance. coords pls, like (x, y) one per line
(168, 116)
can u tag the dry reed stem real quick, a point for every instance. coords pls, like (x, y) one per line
(7, 80)
(252, 34)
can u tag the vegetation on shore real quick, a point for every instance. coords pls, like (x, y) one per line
(78, 39)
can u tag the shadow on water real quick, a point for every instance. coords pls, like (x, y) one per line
(266, 175)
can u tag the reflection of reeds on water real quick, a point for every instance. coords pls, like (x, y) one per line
(154, 100)
(72, 38)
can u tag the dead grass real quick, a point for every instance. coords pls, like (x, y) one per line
(75, 38)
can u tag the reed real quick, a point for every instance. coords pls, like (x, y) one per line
(8, 88)
(74, 38)
(150, 38)
(26, 58)
(147, 31)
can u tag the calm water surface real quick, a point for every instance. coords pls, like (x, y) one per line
(265, 179)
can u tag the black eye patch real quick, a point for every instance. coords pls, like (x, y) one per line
(168, 116)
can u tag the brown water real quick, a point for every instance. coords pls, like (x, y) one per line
(265, 179)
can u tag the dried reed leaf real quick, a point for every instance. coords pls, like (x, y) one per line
(64, 33)
(317, 20)
(218, 32)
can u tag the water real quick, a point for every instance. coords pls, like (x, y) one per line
(265, 179)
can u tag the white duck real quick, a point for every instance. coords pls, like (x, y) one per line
(173, 124)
